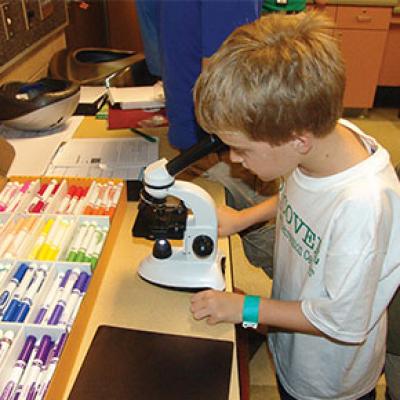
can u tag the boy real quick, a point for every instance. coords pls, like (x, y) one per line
(273, 93)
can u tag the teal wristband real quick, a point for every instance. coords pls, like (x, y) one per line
(251, 306)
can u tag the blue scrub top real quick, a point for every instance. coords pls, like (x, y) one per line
(189, 31)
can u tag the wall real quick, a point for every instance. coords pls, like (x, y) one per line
(123, 25)
(33, 65)
(31, 31)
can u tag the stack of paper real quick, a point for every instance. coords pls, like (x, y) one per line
(123, 158)
(137, 97)
(92, 98)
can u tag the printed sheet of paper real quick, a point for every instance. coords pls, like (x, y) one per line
(117, 158)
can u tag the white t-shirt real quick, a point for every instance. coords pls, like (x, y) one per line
(338, 252)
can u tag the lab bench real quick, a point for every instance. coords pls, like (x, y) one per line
(118, 297)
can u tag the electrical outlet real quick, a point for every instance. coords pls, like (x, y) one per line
(6, 20)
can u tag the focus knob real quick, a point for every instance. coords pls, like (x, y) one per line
(162, 249)
(203, 246)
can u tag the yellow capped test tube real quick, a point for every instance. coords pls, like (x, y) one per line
(55, 245)
(41, 239)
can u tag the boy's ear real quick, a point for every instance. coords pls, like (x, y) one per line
(302, 143)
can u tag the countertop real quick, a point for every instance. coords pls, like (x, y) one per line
(121, 298)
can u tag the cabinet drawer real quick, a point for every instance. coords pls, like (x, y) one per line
(363, 17)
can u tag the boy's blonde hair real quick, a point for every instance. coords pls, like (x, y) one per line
(280, 75)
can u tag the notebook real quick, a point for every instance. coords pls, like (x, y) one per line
(119, 119)
(131, 364)
(92, 98)
(137, 97)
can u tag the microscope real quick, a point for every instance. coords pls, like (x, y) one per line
(192, 218)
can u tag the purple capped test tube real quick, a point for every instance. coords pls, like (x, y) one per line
(78, 304)
(77, 289)
(58, 296)
(63, 297)
(18, 369)
(30, 388)
(49, 300)
(52, 365)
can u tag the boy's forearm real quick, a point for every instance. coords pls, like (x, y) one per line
(218, 307)
(261, 212)
(285, 315)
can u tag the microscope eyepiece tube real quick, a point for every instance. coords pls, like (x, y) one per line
(210, 144)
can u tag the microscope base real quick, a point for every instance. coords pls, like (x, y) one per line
(180, 273)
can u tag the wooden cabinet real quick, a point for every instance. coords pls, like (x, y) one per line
(360, 18)
(390, 68)
(362, 34)
(362, 51)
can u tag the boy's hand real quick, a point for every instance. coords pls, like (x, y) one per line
(229, 221)
(217, 306)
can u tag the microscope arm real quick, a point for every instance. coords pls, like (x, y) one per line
(199, 201)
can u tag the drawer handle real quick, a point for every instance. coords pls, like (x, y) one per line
(364, 18)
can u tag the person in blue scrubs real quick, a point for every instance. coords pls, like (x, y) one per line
(148, 12)
(191, 31)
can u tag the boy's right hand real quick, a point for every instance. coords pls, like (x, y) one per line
(216, 306)
(229, 221)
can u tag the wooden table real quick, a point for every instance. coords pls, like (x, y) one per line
(118, 297)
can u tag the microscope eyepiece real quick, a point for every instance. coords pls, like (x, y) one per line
(210, 144)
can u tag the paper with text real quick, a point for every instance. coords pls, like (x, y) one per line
(123, 158)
